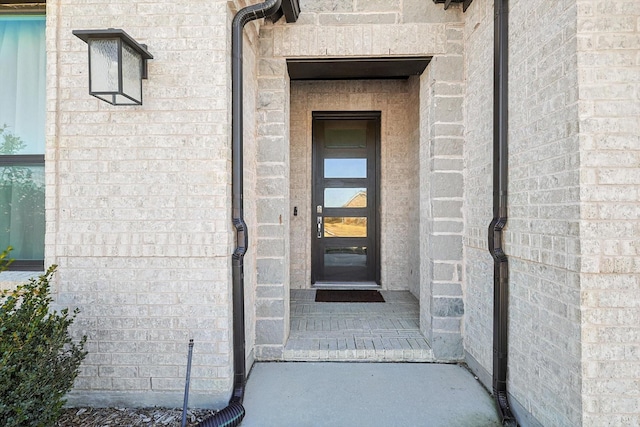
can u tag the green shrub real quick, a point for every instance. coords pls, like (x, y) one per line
(38, 359)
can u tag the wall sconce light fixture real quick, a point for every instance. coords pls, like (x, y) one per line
(117, 65)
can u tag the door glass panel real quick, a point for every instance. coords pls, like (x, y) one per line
(345, 168)
(345, 197)
(346, 257)
(345, 134)
(346, 226)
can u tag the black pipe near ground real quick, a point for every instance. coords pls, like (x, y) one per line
(185, 403)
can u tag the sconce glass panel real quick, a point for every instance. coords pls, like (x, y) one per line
(131, 72)
(103, 59)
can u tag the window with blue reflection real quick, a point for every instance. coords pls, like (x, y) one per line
(345, 168)
(22, 136)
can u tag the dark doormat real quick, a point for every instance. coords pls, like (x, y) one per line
(358, 295)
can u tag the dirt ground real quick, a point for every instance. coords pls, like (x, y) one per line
(125, 417)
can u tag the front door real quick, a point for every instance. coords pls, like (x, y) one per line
(345, 229)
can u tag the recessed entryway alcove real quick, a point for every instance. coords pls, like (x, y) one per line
(352, 331)
(418, 205)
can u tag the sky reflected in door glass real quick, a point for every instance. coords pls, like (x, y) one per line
(345, 168)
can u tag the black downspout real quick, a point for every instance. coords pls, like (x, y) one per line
(233, 414)
(500, 176)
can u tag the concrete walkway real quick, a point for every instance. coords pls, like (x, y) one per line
(316, 394)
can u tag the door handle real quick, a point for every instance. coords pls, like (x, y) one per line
(319, 227)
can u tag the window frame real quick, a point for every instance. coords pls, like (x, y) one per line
(24, 7)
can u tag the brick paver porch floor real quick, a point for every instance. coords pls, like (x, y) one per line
(371, 332)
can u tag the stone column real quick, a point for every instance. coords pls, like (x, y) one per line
(272, 237)
(441, 172)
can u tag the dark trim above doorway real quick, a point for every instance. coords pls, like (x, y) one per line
(356, 68)
(447, 3)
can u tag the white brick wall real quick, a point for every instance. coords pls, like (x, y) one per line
(478, 320)
(542, 231)
(609, 93)
(542, 234)
(387, 12)
(138, 203)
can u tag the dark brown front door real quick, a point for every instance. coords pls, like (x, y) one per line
(345, 172)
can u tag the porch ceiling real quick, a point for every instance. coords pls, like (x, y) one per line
(356, 68)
